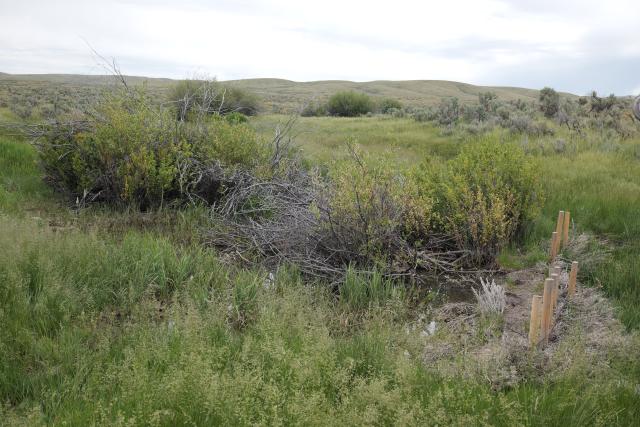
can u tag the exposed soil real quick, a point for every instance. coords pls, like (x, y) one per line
(464, 343)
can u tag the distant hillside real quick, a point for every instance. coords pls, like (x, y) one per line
(286, 95)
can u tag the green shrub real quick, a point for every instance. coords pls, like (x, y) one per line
(549, 102)
(314, 109)
(488, 101)
(483, 197)
(387, 105)
(349, 104)
(236, 118)
(449, 111)
(211, 97)
(240, 101)
(134, 152)
(367, 207)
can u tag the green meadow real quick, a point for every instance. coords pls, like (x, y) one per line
(112, 316)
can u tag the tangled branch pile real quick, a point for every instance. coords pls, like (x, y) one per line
(323, 226)
(373, 216)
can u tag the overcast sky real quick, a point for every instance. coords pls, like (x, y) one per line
(572, 45)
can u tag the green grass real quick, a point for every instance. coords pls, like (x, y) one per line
(602, 192)
(141, 331)
(324, 139)
(124, 318)
(21, 183)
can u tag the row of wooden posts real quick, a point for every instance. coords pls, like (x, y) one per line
(543, 308)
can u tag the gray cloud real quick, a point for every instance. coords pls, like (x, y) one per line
(571, 45)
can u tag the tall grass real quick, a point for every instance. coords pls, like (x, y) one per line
(602, 192)
(143, 326)
(140, 331)
(21, 181)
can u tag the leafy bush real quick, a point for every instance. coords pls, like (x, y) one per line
(367, 207)
(488, 101)
(599, 105)
(211, 97)
(314, 109)
(549, 102)
(483, 197)
(424, 115)
(131, 151)
(236, 118)
(449, 111)
(387, 105)
(349, 104)
(520, 123)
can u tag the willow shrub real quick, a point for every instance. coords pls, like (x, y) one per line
(132, 151)
(349, 104)
(369, 208)
(483, 197)
(478, 201)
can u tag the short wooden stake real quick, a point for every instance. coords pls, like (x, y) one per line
(546, 309)
(565, 229)
(573, 277)
(559, 225)
(554, 292)
(554, 245)
(534, 325)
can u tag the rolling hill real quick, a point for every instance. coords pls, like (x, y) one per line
(281, 95)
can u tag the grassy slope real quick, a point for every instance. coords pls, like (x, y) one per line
(289, 94)
(285, 95)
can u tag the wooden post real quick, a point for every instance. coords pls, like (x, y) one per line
(573, 277)
(534, 325)
(554, 292)
(546, 309)
(557, 270)
(565, 230)
(554, 245)
(559, 225)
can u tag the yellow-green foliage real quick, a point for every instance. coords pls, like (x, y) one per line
(132, 151)
(480, 199)
(483, 196)
(367, 204)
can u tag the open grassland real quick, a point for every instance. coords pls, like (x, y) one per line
(323, 139)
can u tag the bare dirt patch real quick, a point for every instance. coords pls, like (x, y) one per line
(585, 332)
